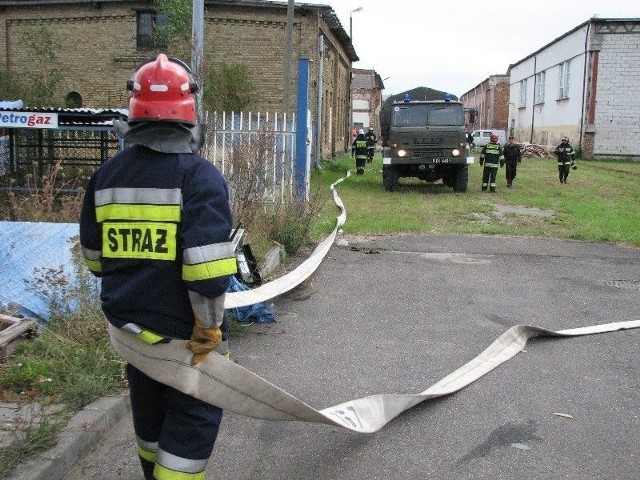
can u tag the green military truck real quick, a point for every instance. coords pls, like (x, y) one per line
(423, 136)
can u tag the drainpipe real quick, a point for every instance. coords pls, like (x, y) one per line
(533, 101)
(584, 84)
(317, 138)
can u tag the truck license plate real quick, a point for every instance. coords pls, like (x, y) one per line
(441, 160)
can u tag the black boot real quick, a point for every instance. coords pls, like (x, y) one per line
(147, 469)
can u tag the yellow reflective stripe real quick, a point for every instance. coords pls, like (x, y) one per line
(164, 473)
(139, 240)
(127, 211)
(209, 270)
(150, 337)
(147, 454)
(93, 265)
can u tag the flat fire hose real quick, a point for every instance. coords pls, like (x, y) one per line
(230, 386)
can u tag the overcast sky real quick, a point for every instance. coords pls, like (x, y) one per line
(453, 45)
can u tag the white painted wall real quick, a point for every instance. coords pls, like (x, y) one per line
(553, 117)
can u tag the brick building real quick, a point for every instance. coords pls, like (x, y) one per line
(366, 99)
(97, 44)
(490, 101)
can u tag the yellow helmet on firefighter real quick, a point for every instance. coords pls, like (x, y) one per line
(162, 89)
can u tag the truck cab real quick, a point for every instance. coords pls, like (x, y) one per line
(425, 139)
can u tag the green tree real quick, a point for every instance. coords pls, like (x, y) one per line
(225, 87)
(38, 87)
(172, 34)
(42, 84)
(228, 88)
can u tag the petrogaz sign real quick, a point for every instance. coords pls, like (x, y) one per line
(28, 120)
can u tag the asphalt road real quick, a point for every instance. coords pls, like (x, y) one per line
(396, 314)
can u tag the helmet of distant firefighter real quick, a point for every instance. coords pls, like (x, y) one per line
(162, 89)
(493, 137)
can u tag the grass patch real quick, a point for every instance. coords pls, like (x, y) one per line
(600, 202)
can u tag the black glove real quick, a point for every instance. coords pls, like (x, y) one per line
(481, 163)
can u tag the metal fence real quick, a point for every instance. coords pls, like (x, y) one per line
(267, 138)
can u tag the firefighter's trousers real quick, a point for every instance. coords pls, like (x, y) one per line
(175, 432)
(563, 171)
(489, 176)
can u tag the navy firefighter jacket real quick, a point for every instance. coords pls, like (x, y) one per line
(153, 226)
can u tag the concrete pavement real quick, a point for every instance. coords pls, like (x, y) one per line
(396, 314)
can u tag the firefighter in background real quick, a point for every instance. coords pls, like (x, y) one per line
(512, 157)
(155, 226)
(491, 158)
(372, 139)
(566, 159)
(359, 150)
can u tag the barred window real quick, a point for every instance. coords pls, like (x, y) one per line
(563, 92)
(149, 24)
(523, 94)
(539, 97)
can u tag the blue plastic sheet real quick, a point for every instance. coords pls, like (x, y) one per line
(27, 249)
(258, 312)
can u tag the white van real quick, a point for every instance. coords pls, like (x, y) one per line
(481, 137)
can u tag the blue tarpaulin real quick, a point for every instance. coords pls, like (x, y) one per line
(27, 248)
(30, 249)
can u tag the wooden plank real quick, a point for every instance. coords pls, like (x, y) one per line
(13, 333)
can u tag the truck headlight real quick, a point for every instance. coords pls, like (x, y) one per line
(455, 152)
(402, 153)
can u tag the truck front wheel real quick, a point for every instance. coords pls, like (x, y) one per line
(390, 178)
(461, 178)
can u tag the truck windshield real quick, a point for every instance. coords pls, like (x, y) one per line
(421, 114)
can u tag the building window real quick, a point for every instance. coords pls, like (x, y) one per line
(149, 25)
(539, 96)
(563, 92)
(73, 100)
(523, 94)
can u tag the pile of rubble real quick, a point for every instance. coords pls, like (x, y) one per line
(532, 150)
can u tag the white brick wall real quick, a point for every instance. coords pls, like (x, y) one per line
(617, 113)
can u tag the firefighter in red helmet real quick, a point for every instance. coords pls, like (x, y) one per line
(155, 226)
(491, 158)
(566, 159)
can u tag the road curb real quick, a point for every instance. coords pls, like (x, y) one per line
(79, 437)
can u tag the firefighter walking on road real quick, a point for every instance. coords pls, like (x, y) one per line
(372, 139)
(359, 150)
(566, 159)
(155, 226)
(512, 157)
(491, 158)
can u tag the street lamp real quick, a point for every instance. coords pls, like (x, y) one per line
(359, 9)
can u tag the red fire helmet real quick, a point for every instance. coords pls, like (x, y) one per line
(162, 89)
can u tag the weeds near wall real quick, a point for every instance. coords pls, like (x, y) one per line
(48, 197)
(262, 200)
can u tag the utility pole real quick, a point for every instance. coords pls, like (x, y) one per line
(197, 48)
(287, 56)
